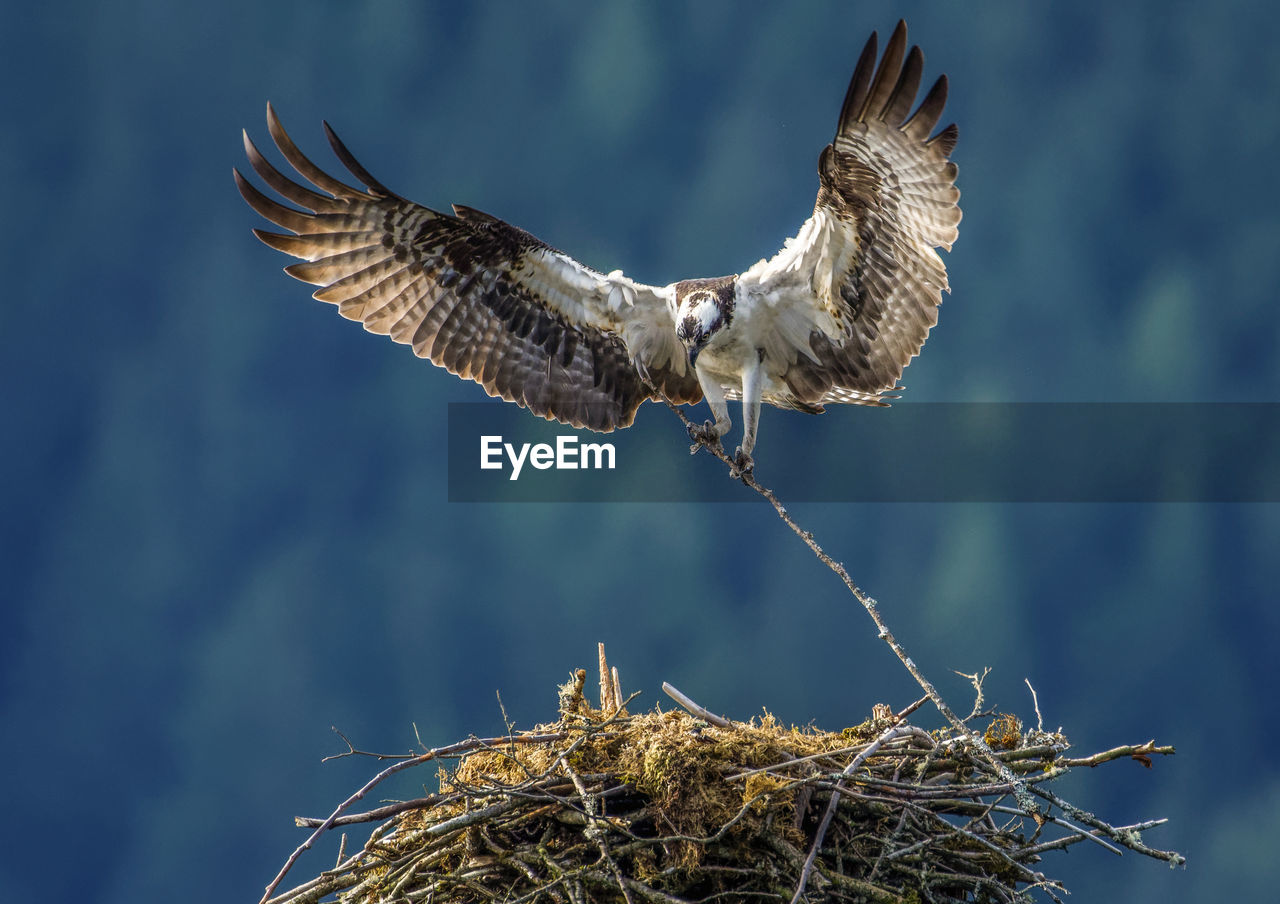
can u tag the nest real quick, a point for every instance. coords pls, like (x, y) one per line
(679, 806)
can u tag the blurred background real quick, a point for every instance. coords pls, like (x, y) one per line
(225, 520)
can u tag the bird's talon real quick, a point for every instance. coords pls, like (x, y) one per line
(704, 435)
(743, 464)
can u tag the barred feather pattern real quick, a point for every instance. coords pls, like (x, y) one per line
(886, 202)
(473, 294)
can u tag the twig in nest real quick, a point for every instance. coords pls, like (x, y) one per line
(1035, 701)
(452, 749)
(701, 712)
(352, 751)
(976, 679)
(821, 834)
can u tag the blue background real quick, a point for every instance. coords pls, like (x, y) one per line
(225, 524)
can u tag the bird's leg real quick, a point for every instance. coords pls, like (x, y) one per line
(751, 379)
(709, 433)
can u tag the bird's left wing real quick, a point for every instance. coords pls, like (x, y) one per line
(478, 296)
(856, 291)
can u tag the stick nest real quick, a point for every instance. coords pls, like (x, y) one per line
(667, 807)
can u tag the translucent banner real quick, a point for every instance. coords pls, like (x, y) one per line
(944, 452)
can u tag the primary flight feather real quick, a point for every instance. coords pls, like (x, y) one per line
(834, 316)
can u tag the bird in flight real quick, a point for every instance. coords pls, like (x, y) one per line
(833, 317)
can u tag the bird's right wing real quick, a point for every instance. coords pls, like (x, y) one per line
(475, 295)
(857, 290)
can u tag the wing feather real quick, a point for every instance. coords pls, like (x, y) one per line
(318, 244)
(473, 294)
(904, 93)
(307, 169)
(361, 267)
(284, 186)
(856, 97)
(926, 117)
(866, 263)
(380, 307)
(886, 77)
(293, 220)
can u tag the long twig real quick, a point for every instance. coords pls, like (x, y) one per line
(384, 812)
(869, 604)
(1128, 838)
(1139, 752)
(435, 753)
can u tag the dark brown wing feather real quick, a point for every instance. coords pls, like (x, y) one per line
(890, 191)
(469, 292)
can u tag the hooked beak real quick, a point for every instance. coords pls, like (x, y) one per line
(694, 351)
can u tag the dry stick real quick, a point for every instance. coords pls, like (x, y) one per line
(701, 712)
(618, 702)
(1035, 701)
(1127, 838)
(792, 763)
(930, 757)
(1066, 840)
(384, 812)
(593, 821)
(887, 735)
(461, 747)
(1138, 752)
(899, 717)
(606, 682)
(1020, 791)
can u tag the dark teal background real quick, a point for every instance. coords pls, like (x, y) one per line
(225, 524)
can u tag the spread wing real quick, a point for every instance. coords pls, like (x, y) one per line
(475, 295)
(862, 280)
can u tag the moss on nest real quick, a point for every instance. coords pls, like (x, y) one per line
(666, 807)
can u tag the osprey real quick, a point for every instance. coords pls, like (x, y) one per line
(833, 317)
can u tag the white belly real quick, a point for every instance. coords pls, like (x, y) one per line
(727, 358)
